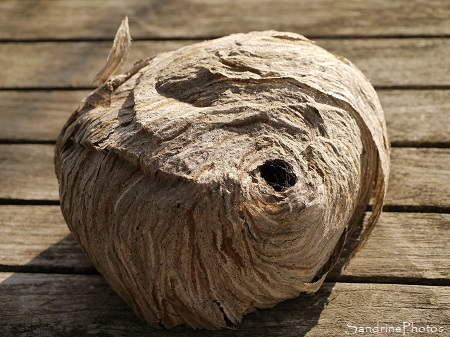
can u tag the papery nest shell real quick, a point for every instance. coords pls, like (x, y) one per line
(222, 177)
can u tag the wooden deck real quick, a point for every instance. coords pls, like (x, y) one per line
(49, 54)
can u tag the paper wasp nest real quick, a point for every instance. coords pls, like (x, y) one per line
(224, 176)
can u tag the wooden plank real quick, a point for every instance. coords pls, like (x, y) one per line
(386, 62)
(36, 115)
(80, 305)
(57, 305)
(414, 117)
(417, 117)
(204, 18)
(396, 62)
(407, 246)
(37, 238)
(68, 64)
(418, 177)
(27, 172)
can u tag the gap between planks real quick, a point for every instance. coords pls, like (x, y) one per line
(196, 39)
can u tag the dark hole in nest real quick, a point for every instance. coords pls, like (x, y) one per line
(278, 174)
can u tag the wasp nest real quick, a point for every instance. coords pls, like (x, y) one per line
(222, 177)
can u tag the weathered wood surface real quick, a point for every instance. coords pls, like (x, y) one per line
(417, 117)
(403, 246)
(386, 62)
(36, 238)
(27, 172)
(418, 175)
(206, 18)
(36, 115)
(413, 117)
(64, 305)
(67, 64)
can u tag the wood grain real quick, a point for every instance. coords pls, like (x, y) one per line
(27, 172)
(205, 18)
(79, 305)
(404, 246)
(413, 117)
(386, 62)
(37, 238)
(418, 175)
(36, 115)
(68, 64)
(417, 117)
(396, 62)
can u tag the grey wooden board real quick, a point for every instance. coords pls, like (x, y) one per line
(37, 238)
(94, 19)
(81, 305)
(27, 172)
(36, 115)
(403, 245)
(66, 64)
(419, 176)
(418, 117)
(386, 62)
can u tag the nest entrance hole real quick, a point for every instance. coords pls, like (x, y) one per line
(278, 174)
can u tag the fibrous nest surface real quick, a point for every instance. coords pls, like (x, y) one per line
(223, 177)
